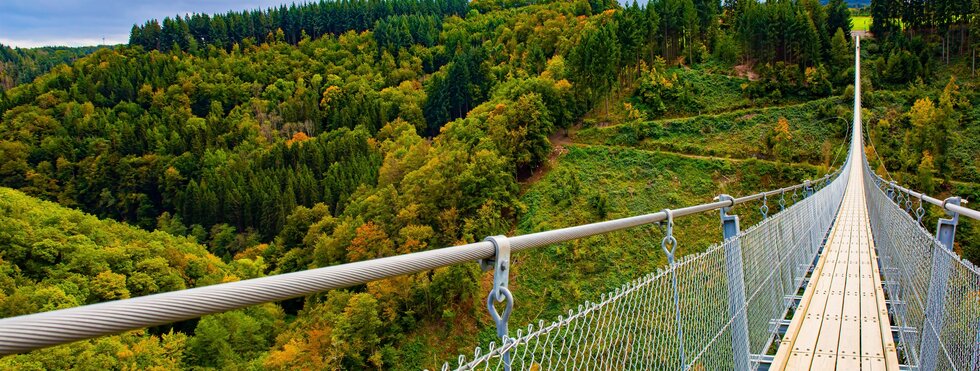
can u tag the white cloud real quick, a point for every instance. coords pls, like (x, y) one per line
(59, 41)
(33, 23)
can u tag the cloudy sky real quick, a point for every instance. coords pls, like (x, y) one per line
(31, 23)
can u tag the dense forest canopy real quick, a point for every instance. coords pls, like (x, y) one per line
(216, 136)
(914, 27)
(270, 141)
(313, 19)
(21, 65)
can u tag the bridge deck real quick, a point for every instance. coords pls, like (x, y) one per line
(842, 322)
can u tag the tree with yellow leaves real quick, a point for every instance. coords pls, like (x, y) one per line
(926, 168)
(370, 242)
(777, 143)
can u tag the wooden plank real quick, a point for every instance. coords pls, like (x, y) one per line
(847, 362)
(887, 342)
(823, 361)
(842, 322)
(789, 355)
(849, 346)
(871, 336)
(873, 364)
(833, 314)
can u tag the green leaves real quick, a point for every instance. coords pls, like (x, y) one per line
(594, 61)
(520, 130)
(228, 340)
(109, 286)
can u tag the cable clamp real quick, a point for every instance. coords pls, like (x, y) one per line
(500, 263)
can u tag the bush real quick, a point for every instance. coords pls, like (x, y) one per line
(902, 67)
(662, 91)
(726, 48)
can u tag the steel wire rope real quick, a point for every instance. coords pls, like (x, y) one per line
(867, 132)
(843, 144)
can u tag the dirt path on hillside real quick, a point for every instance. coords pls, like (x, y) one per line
(558, 142)
(745, 70)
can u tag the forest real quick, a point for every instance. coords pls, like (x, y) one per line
(21, 65)
(220, 147)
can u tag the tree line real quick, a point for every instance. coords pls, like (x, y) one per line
(955, 24)
(22, 65)
(193, 32)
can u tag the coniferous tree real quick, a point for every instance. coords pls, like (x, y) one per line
(651, 30)
(974, 37)
(839, 17)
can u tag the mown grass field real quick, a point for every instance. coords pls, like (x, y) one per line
(860, 23)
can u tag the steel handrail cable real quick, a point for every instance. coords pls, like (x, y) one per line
(962, 210)
(875, 150)
(27, 332)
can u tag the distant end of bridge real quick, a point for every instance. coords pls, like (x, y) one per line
(842, 321)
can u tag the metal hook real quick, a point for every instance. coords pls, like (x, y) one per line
(500, 263)
(782, 200)
(500, 319)
(499, 292)
(920, 212)
(765, 206)
(908, 201)
(669, 237)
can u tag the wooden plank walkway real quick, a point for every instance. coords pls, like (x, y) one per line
(842, 322)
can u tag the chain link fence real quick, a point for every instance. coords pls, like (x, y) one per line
(704, 311)
(934, 293)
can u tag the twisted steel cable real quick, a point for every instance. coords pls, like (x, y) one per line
(28, 332)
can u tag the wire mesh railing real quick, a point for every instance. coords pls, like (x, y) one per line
(935, 293)
(681, 316)
(33, 331)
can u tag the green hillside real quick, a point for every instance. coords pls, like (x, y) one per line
(54, 258)
(814, 128)
(270, 141)
(22, 65)
(595, 183)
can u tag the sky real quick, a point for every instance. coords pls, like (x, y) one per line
(33, 23)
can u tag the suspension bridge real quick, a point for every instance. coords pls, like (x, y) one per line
(841, 320)
(846, 278)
